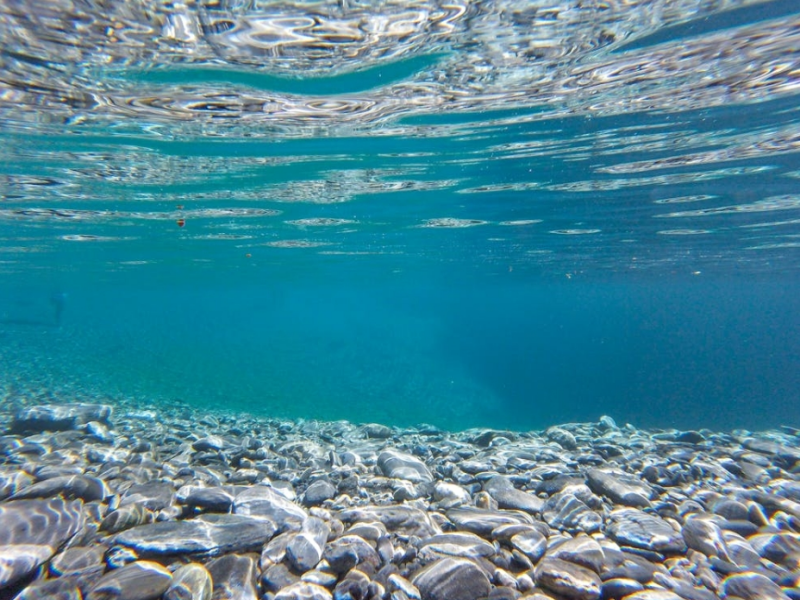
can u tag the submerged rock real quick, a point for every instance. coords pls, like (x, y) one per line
(452, 579)
(59, 417)
(207, 534)
(141, 580)
(31, 531)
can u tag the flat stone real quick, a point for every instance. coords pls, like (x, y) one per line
(465, 545)
(751, 586)
(377, 431)
(125, 517)
(305, 550)
(263, 501)
(63, 588)
(777, 547)
(304, 591)
(277, 577)
(153, 495)
(403, 466)
(531, 543)
(632, 527)
(234, 577)
(190, 582)
(503, 491)
(85, 487)
(703, 535)
(401, 519)
(59, 417)
(211, 443)
(567, 512)
(450, 495)
(452, 579)
(482, 522)
(78, 560)
(31, 531)
(206, 534)
(213, 499)
(621, 489)
(619, 587)
(140, 580)
(562, 437)
(567, 579)
(11, 483)
(581, 550)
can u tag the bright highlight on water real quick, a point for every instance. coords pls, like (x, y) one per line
(399, 300)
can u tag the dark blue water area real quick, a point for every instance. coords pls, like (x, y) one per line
(404, 349)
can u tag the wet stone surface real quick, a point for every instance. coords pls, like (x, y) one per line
(175, 504)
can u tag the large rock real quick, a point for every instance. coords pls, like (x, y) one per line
(140, 580)
(482, 522)
(85, 487)
(59, 417)
(31, 531)
(452, 579)
(403, 466)
(262, 501)
(207, 534)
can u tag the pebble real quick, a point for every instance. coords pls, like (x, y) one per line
(244, 508)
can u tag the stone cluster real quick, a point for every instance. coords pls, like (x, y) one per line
(178, 504)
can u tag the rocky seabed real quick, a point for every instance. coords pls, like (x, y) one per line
(178, 504)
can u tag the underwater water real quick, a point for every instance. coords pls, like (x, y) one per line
(470, 214)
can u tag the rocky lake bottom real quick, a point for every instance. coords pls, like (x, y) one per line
(127, 502)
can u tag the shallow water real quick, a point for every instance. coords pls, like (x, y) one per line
(468, 214)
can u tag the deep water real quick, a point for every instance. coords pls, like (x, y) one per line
(434, 347)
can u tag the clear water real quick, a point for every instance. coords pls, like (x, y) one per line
(502, 214)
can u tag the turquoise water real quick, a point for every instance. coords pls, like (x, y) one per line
(490, 214)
